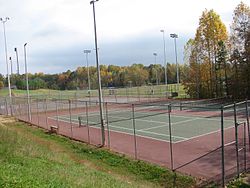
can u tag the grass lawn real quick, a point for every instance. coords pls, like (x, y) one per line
(142, 91)
(31, 158)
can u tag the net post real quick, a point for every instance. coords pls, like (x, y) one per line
(87, 117)
(170, 137)
(70, 119)
(135, 141)
(222, 148)
(236, 140)
(248, 127)
(107, 123)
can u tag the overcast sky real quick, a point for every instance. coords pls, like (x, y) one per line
(57, 31)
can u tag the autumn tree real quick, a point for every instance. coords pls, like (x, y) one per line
(203, 53)
(239, 51)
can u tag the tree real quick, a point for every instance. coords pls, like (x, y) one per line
(222, 68)
(1, 84)
(239, 41)
(202, 52)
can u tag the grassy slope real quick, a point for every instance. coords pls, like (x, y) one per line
(30, 158)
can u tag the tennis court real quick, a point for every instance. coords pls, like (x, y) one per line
(154, 124)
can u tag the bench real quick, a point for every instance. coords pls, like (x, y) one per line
(53, 129)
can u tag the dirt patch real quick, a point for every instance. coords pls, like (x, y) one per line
(6, 119)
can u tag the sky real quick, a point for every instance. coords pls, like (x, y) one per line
(58, 31)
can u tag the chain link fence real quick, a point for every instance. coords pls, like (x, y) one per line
(207, 140)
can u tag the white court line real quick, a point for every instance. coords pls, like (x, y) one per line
(179, 122)
(129, 129)
(174, 115)
(205, 134)
(149, 132)
(175, 142)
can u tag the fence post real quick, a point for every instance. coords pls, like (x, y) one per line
(76, 99)
(107, 121)
(236, 140)
(29, 108)
(57, 116)
(127, 94)
(19, 111)
(115, 91)
(46, 115)
(87, 116)
(222, 148)
(248, 127)
(70, 119)
(170, 137)
(135, 141)
(6, 106)
(37, 111)
(245, 146)
(138, 93)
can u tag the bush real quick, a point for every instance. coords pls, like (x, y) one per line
(1, 84)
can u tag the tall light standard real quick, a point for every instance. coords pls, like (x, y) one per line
(98, 76)
(87, 52)
(175, 36)
(17, 62)
(27, 81)
(165, 60)
(156, 73)
(6, 58)
(11, 67)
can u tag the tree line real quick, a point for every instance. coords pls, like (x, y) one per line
(111, 76)
(219, 62)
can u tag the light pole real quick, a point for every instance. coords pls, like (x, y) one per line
(87, 52)
(17, 63)
(165, 60)
(98, 76)
(27, 81)
(6, 58)
(175, 36)
(156, 73)
(11, 67)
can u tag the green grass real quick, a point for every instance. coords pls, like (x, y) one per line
(142, 91)
(31, 158)
(238, 183)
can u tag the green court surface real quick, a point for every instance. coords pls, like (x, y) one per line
(155, 126)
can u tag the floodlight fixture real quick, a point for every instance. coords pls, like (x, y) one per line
(175, 36)
(156, 73)
(27, 81)
(11, 67)
(17, 62)
(87, 52)
(165, 60)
